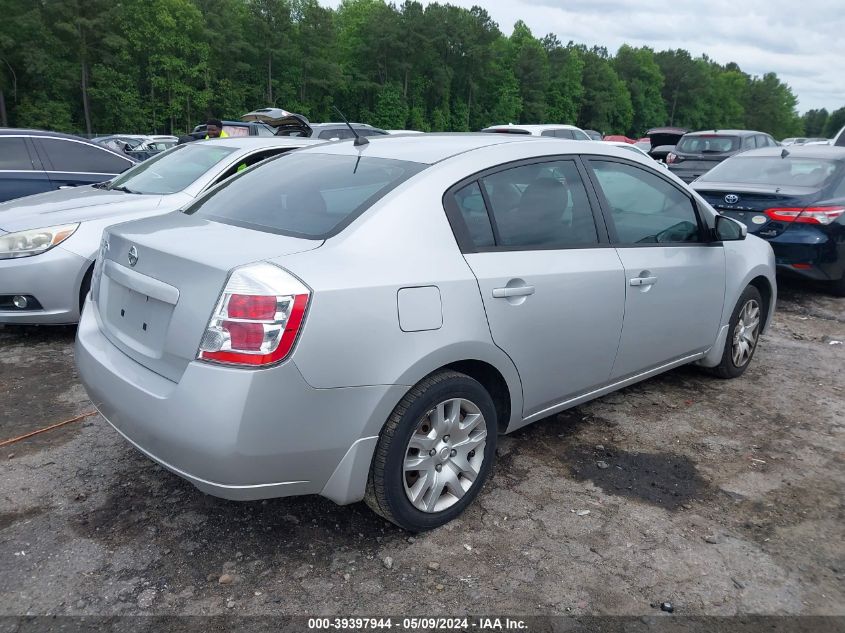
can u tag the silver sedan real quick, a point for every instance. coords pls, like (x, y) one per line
(362, 321)
(48, 241)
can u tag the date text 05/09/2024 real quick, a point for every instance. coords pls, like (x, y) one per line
(418, 623)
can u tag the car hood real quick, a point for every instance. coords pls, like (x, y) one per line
(71, 205)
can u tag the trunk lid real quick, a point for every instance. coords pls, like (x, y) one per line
(665, 136)
(156, 309)
(749, 203)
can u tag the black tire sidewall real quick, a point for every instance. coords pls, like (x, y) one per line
(401, 507)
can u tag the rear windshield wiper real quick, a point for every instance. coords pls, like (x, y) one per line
(122, 188)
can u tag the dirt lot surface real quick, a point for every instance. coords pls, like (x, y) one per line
(723, 497)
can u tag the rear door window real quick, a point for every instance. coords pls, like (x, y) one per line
(644, 208)
(65, 155)
(564, 134)
(542, 205)
(470, 203)
(304, 195)
(14, 155)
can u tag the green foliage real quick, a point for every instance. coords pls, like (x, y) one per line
(606, 105)
(391, 110)
(835, 122)
(770, 106)
(164, 65)
(815, 122)
(642, 76)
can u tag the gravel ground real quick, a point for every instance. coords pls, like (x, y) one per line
(723, 497)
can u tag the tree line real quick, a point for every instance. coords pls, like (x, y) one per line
(164, 65)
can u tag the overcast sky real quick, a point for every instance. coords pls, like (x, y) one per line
(802, 41)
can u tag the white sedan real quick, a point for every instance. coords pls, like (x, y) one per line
(49, 241)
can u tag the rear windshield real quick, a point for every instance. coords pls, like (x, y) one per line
(506, 130)
(773, 170)
(708, 144)
(173, 170)
(304, 195)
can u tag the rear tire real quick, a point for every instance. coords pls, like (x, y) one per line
(85, 287)
(838, 287)
(743, 335)
(434, 453)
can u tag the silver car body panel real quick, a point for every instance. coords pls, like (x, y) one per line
(57, 287)
(311, 423)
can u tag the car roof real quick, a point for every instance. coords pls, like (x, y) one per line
(731, 132)
(830, 152)
(17, 131)
(339, 124)
(434, 148)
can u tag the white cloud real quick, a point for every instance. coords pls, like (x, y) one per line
(800, 41)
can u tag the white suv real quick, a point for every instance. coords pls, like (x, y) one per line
(558, 131)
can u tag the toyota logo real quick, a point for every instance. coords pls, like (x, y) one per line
(133, 256)
(731, 198)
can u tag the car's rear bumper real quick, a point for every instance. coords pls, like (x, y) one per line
(810, 251)
(53, 278)
(238, 433)
(688, 175)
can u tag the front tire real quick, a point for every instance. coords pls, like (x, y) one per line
(743, 335)
(435, 452)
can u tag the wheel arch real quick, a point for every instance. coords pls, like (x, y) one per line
(767, 292)
(485, 363)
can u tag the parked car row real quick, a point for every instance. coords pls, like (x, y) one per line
(42, 284)
(483, 263)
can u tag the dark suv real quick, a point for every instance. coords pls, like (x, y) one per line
(34, 161)
(699, 152)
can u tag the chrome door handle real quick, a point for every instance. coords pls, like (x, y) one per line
(67, 187)
(518, 291)
(643, 281)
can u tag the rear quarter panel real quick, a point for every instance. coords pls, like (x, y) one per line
(352, 335)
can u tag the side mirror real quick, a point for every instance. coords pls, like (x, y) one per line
(729, 230)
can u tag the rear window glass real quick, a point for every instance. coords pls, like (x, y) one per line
(708, 144)
(506, 130)
(773, 170)
(305, 195)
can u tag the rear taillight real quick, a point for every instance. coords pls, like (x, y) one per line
(671, 158)
(808, 215)
(257, 319)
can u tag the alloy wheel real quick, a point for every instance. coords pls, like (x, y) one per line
(444, 455)
(745, 333)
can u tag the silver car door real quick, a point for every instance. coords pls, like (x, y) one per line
(675, 274)
(552, 287)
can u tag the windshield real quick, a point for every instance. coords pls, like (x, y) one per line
(173, 170)
(708, 144)
(305, 195)
(773, 170)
